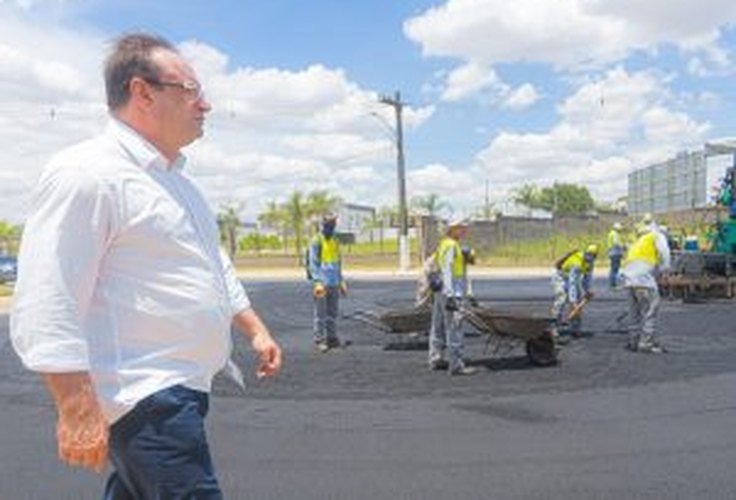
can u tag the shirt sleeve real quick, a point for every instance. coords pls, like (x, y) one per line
(663, 249)
(239, 300)
(315, 261)
(63, 243)
(446, 266)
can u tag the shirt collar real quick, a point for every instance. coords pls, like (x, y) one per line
(142, 152)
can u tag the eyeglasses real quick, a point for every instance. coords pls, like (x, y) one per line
(192, 89)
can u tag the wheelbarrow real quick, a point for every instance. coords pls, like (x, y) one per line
(507, 330)
(408, 322)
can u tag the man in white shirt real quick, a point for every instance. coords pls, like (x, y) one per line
(124, 300)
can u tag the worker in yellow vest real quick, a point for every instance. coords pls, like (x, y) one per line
(324, 271)
(445, 333)
(647, 257)
(571, 282)
(616, 250)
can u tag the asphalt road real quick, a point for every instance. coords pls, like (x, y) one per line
(367, 422)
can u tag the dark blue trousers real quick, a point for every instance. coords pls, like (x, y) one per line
(159, 450)
(613, 277)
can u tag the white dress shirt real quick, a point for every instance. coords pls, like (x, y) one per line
(121, 274)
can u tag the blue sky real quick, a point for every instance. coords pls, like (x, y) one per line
(497, 92)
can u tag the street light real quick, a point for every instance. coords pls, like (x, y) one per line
(396, 103)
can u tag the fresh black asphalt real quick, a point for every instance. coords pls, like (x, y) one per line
(371, 422)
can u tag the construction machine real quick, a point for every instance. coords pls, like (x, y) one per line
(712, 272)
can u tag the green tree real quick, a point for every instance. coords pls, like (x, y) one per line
(528, 195)
(276, 217)
(566, 199)
(430, 204)
(319, 203)
(296, 210)
(228, 220)
(9, 237)
(559, 198)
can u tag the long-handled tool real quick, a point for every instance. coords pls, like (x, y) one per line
(577, 309)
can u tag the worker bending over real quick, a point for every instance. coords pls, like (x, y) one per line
(571, 282)
(646, 258)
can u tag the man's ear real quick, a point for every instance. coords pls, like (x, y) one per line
(141, 92)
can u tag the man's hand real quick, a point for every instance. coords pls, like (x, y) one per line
(81, 429)
(269, 355)
(268, 351)
(319, 290)
(343, 289)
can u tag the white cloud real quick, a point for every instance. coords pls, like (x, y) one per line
(521, 97)
(271, 130)
(606, 129)
(564, 33)
(459, 188)
(567, 35)
(467, 80)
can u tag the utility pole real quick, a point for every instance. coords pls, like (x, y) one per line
(396, 103)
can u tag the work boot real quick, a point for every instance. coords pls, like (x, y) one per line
(559, 339)
(321, 347)
(463, 370)
(438, 364)
(649, 347)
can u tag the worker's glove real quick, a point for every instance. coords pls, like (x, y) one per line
(472, 301)
(435, 281)
(343, 288)
(319, 290)
(451, 304)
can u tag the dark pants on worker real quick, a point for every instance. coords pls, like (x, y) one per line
(613, 273)
(325, 317)
(159, 449)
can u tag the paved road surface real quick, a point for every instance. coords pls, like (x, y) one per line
(370, 423)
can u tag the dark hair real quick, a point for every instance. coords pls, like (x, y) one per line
(131, 56)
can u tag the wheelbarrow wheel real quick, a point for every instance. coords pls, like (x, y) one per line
(541, 350)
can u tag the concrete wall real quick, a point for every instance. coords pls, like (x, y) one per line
(486, 236)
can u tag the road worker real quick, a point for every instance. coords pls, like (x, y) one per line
(616, 250)
(324, 270)
(571, 281)
(445, 333)
(646, 258)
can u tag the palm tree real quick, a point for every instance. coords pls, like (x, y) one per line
(319, 203)
(275, 216)
(430, 205)
(295, 209)
(228, 221)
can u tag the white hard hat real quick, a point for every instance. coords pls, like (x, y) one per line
(617, 226)
(457, 222)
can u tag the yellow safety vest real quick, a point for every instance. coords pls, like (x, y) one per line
(575, 260)
(614, 238)
(644, 249)
(457, 262)
(329, 250)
